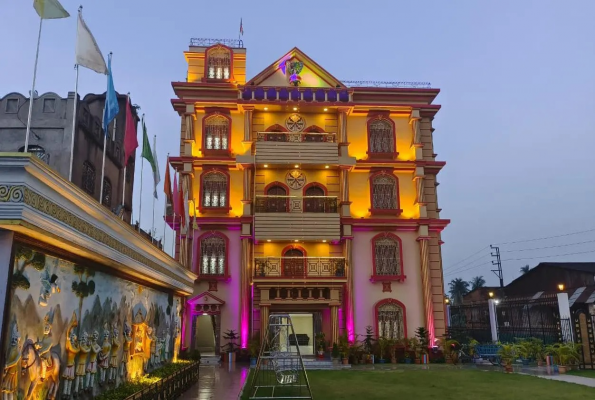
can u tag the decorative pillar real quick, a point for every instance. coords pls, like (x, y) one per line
(423, 240)
(415, 121)
(493, 320)
(565, 317)
(264, 321)
(245, 274)
(334, 324)
(248, 124)
(349, 306)
(343, 140)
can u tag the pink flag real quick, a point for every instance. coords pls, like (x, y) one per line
(130, 141)
(176, 196)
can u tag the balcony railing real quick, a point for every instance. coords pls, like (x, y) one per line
(299, 267)
(298, 137)
(307, 94)
(296, 204)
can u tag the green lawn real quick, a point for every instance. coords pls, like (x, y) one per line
(442, 383)
(587, 373)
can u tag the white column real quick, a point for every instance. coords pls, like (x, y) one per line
(493, 320)
(565, 317)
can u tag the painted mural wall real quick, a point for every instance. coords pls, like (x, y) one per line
(73, 329)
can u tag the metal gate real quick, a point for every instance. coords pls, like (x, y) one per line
(583, 335)
(470, 321)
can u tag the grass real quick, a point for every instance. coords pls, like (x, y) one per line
(587, 373)
(441, 383)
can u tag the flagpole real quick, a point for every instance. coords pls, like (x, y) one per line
(154, 187)
(142, 163)
(173, 242)
(32, 96)
(105, 138)
(125, 166)
(75, 107)
(181, 193)
(165, 202)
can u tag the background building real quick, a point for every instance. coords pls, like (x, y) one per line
(312, 196)
(51, 135)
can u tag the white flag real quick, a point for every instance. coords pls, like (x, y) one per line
(88, 54)
(156, 175)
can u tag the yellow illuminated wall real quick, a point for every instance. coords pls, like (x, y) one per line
(309, 78)
(237, 134)
(236, 178)
(357, 131)
(275, 249)
(327, 178)
(262, 120)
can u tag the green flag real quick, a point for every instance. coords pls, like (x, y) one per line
(147, 154)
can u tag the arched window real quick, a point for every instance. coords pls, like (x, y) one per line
(88, 177)
(213, 255)
(387, 252)
(381, 137)
(218, 63)
(216, 130)
(215, 190)
(277, 197)
(276, 137)
(38, 152)
(106, 197)
(293, 262)
(315, 200)
(391, 321)
(384, 192)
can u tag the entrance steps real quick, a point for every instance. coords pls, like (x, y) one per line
(314, 363)
(210, 360)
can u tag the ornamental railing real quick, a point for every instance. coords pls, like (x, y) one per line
(171, 387)
(206, 42)
(296, 137)
(388, 84)
(307, 94)
(296, 204)
(299, 267)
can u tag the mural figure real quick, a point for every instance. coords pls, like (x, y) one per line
(9, 376)
(72, 349)
(43, 347)
(158, 350)
(177, 332)
(167, 347)
(126, 352)
(152, 340)
(91, 370)
(113, 362)
(103, 355)
(79, 382)
(140, 348)
(49, 286)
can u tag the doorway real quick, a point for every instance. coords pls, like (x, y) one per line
(206, 332)
(303, 326)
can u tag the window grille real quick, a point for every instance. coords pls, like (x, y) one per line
(384, 192)
(381, 137)
(214, 190)
(219, 62)
(391, 321)
(213, 251)
(106, 197)
(387, 256)
(217, 133)
(88, 177)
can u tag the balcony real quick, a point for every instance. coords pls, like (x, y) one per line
(299, 268)
(311, 218)
(302, 94)
(306, 148)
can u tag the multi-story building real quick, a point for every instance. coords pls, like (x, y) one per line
(51, 139)
(311, 197)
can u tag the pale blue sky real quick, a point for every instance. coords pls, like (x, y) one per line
(517, 80)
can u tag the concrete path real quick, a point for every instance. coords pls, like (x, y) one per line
(218, 382)
(579, 380)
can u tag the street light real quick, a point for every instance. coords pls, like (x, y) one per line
(561, 287)
(447, 300)
(491, 294)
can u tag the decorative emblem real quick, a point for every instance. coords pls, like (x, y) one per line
(386, 287)
(295, 123)
(212, 286)
(295, 179)
(294, 68)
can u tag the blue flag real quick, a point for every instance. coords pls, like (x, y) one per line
(111, 108)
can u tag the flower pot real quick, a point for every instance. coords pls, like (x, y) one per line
(407, 361)
(335, 361)
(562, 369)
(345, 361)
(393, 360)
(417, 361)
(508, 368)
(382, 361)
(540, 363)
(525, 361)
(253, 361)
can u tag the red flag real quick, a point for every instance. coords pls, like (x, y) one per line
(130, 141)
(183, 204)
(176, 195)
(167, 184)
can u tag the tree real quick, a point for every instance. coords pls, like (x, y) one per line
(477, 282)
(457, 289)
(85, 286)
(28, 257)
(525, 269)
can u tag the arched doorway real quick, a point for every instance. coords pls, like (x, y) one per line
(277, 200)
(314, 198)
(293, 263)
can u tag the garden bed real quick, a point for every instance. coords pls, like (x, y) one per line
(169, 381)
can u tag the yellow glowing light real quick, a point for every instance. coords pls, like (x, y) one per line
(326, 166)
(326, 109)
(266, 165)
(296, 166)
(266, 109)
(269, 240)
(561, 286)
(324, 241)
(294, 108)
(491, 294)
(296, 240)
(447, 300)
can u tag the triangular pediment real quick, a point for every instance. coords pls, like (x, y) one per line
(283, 71)
(206, 298)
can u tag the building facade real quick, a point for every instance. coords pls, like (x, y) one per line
(310, 196)
(51, 137)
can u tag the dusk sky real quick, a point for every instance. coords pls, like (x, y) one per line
(517, 80)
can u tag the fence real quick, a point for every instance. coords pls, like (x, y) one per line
(470, 321)
(171, 387)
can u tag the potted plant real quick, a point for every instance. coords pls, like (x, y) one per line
(451, 350)
(344, 348)
(254, 348)
(392, 350)
(538, 350)
(335, 354)
(383, 344)
(471, 349)
(320, 343)
(368, 343)
(508, 353)
(423, 337)
(564, 354)
(231, 347)
(525, 351)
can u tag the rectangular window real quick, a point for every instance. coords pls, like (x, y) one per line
(12, 106)
(49, 105)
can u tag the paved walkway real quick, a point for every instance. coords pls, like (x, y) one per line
(220, 383)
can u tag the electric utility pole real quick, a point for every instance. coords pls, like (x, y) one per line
(498, 263)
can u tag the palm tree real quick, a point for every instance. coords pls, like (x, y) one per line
(477, 282)
(525, 269)
(457, 289)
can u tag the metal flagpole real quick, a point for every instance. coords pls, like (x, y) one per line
(76, 90)
(165, 202)
(105, 138)
(173, 242)
(142, 163)
(154, 189)
(125, 164)
(181, 216)
(32, 96)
